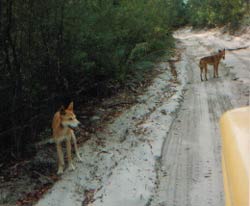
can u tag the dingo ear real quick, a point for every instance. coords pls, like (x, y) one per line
(62, 110)
(70, 107)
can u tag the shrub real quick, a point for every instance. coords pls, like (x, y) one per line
(54, 51)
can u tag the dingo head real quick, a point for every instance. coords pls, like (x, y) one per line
(222, 53)
(68, 118)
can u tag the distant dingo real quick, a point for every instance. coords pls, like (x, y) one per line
(212, 60)
(64, 122)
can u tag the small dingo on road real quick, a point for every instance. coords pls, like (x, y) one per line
(212, 60)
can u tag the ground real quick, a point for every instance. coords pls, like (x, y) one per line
(190, 170)
(164, 150)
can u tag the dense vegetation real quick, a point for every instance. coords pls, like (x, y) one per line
(211, 13)
(53, 51)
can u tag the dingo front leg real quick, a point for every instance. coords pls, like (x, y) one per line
(75, 145)
(68, 145)
(60, 158)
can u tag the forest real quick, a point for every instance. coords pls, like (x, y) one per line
(55, 51)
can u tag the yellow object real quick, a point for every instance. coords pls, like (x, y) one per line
(235, 132)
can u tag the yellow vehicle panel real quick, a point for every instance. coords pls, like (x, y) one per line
(235, 133)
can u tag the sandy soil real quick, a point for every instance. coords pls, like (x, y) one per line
(121, 170)
(190, 171)
(165, 150)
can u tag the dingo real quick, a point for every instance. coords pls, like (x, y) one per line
(64, 122)
(212, 60)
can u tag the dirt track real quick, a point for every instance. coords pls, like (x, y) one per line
(137, 164)
(190, 171)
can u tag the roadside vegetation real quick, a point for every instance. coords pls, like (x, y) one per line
(214, 13)
(61, 50)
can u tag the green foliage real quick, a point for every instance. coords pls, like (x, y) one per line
(216, 12)
(246, 19)
(56, 50)
(139, 51)
(177, 12)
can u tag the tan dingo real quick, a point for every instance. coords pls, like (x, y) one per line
(212, 60)
(64, 122)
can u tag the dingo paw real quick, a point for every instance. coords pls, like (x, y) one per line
(60, 171)
(71, 167)
(79, 159)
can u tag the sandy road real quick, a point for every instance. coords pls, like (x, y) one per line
(190, 169)
(124, 170)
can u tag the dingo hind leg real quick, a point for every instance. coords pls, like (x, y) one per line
(201, 71)
(205, 67)
(216, 70)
